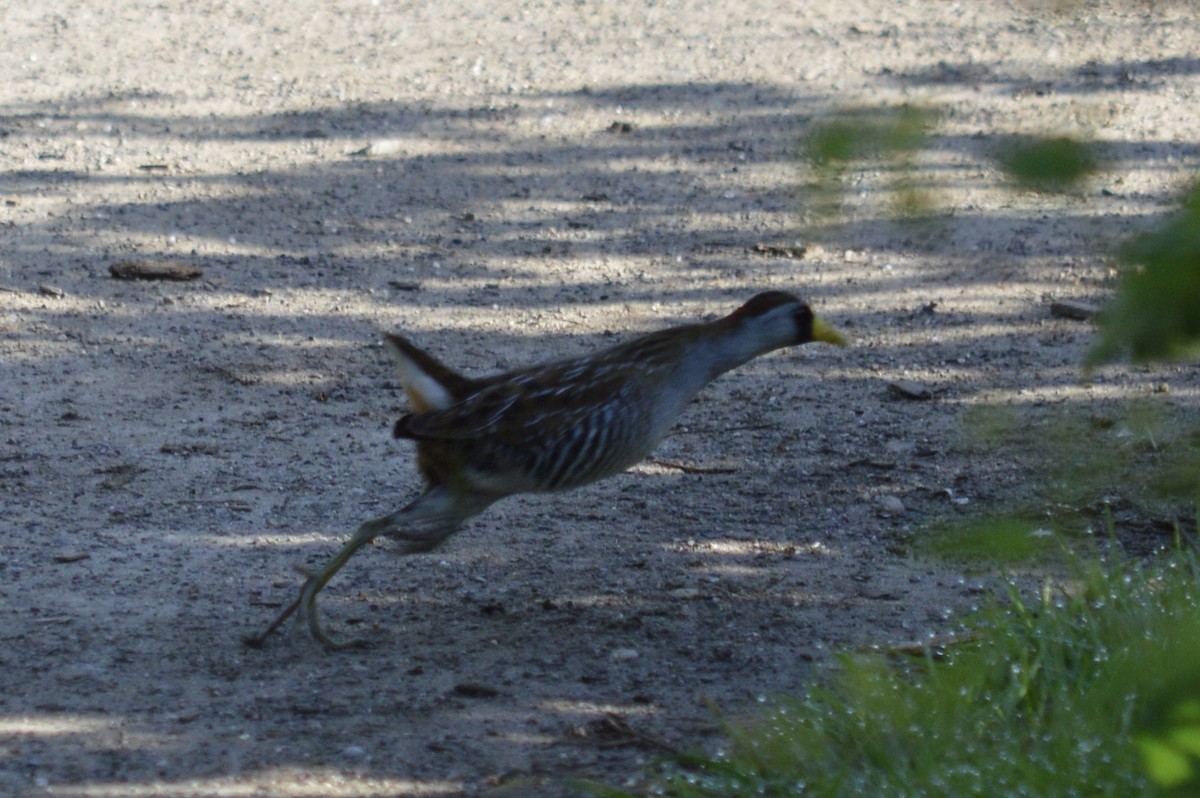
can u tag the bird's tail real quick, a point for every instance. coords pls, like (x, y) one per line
(429, 384)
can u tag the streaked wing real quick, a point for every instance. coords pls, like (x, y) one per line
(479, 414)
(524, 407)
(556, 426)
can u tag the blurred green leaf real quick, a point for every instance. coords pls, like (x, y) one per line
(863, 134)
(1170, 746)
(1165, 765)
(1155, 314)
(883, 140)
(1049, 164)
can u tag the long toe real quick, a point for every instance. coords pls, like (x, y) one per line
(308, 612)
(257, 641)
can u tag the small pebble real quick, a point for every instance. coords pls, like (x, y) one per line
(907, 389)
(380, 147)
(1069, 309)
(890, 505)
(473, 690)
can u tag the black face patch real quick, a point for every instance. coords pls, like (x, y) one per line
(770, 301)
(804, 323)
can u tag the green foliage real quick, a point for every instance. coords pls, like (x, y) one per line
(1049, 164)
(868, 134)
(1171, 750)
(886, 139)
(1092, 690)
(889, 140)
(1137, 460)
(1156, 312)
(997, 539)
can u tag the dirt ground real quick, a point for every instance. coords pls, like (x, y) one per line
(505, 183)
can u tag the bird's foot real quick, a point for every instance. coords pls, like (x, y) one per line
(308, 612)
(306, 604)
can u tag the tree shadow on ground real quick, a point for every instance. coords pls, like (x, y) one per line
(453, 220)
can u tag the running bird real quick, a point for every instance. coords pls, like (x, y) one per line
(551, 427)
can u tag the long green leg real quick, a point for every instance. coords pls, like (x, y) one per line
(435, 514)
(365, 533)
(307, 600)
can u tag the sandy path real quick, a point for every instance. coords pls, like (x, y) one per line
(169, 451)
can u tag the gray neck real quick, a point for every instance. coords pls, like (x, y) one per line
(715, 349)
(726, 346)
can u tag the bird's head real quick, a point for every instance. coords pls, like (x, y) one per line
(785, 320)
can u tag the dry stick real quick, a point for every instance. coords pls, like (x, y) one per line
(690, 469)
(618, 725)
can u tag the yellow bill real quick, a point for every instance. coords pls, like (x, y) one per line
(827, 333)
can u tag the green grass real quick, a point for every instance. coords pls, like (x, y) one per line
(1139, 460)
(1091, 689)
